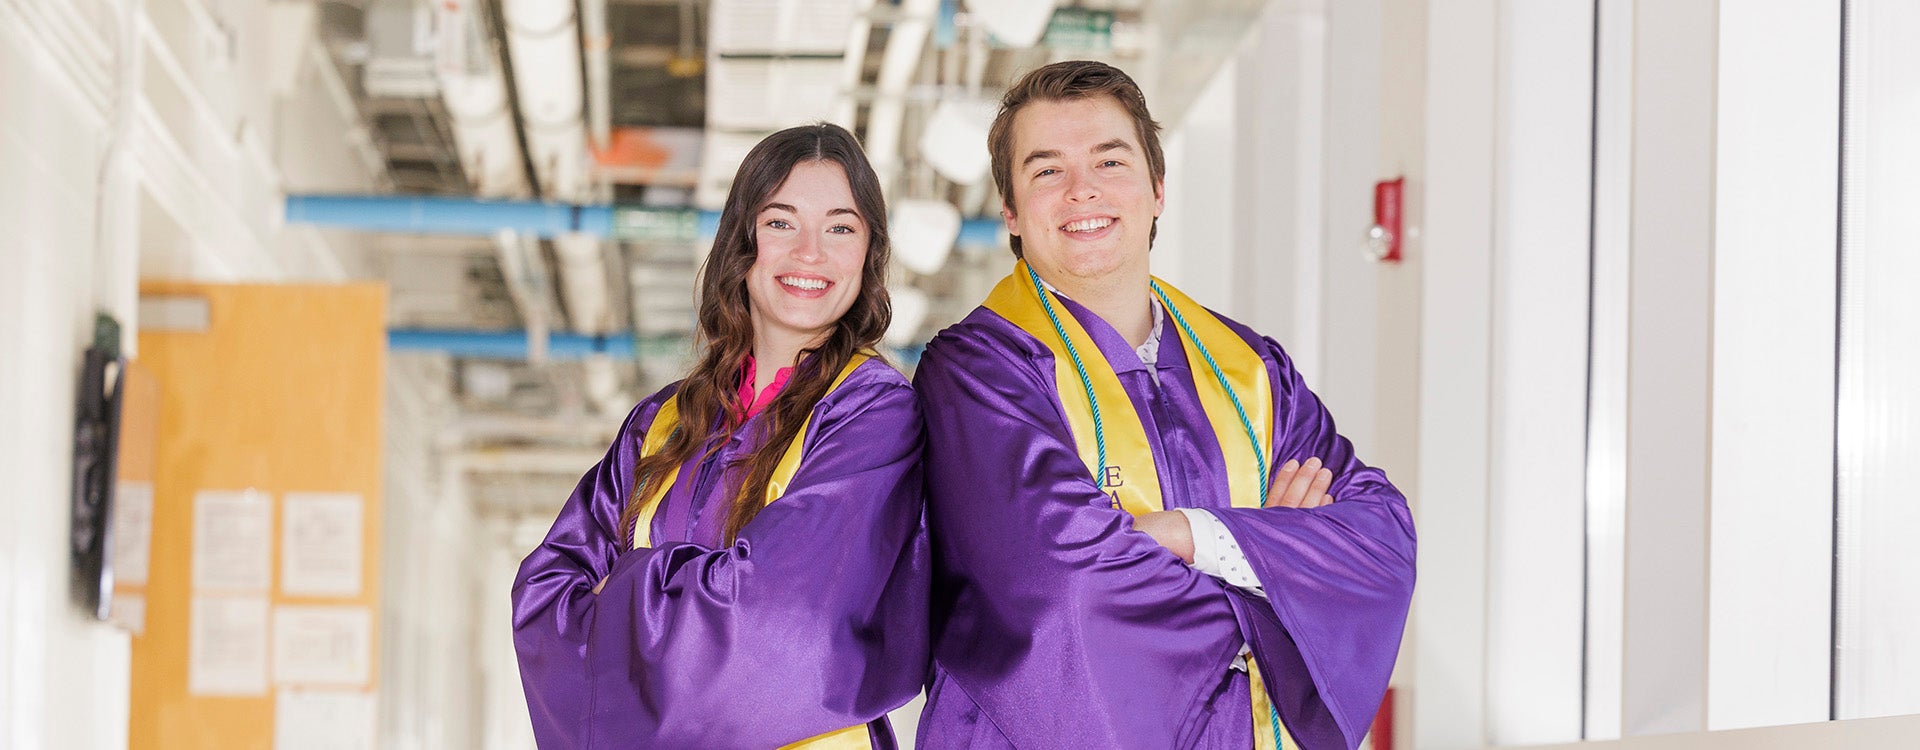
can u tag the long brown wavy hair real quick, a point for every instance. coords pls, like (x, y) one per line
(708, 398)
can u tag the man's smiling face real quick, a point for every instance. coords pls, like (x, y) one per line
(1084, 199)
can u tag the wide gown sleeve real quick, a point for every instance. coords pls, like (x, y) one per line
(1055, 616)
(813, 620)
(1338, 578)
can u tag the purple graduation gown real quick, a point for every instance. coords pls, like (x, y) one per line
(815, 619)
(1058, 625)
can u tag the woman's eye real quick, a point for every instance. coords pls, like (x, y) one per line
(778, 224)
(841, 229)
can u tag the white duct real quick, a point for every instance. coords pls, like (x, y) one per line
(854, 63)
(910, 306)
(583, 278)
(545, 46)
(905, 42)
(1016, 23)
(475, 94)
(598, 44)
(923, 232)
(954, 141)
(546, 51)
(526, 281)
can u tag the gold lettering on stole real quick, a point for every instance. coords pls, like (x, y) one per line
(1111, 482)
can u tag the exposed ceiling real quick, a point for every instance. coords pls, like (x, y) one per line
(655, 102)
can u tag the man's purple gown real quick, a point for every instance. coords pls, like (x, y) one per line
(815, 619)
(1057, 625)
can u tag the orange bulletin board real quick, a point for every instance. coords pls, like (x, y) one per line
(259, 619)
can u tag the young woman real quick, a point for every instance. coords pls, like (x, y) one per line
(747, 566)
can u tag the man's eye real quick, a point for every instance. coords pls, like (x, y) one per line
(1110, 163)
(1045, 172)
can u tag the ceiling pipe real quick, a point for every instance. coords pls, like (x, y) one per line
(474, 89)
(483, 218)
(854, 63)
(597, 41)
(511, 344)
(905, 42)
(544, 42)
(583, 279)
(525, 275)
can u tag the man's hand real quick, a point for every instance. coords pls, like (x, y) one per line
(601, 585)
(1300, 486)
(1170, 529)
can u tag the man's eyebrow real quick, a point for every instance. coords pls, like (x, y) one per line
(1116, 144)
(1038, 155)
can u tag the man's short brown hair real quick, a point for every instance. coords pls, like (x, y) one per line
(1073, 79)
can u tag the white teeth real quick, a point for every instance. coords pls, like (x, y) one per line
(1087, 225)
(800, 283)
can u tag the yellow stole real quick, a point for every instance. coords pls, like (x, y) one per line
(662, 428)
(1129, 476)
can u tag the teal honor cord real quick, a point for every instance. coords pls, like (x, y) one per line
(1099, 433)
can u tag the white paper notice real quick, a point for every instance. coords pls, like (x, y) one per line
(322, 645)
(132, 532)
(232, 541)
(320, 544)
(227, 646)
(323, 720)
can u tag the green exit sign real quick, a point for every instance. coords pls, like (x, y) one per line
(654, 224)
(1080, 29)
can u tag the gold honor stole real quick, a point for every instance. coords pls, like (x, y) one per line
(1129, 476)
(664, 422)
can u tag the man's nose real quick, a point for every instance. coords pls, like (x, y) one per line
(1080, 187)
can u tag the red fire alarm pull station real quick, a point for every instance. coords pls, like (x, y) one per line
(1383, 238)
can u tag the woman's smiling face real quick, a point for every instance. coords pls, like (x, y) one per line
(811, 246)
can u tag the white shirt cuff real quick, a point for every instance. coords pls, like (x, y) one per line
(1217, 553)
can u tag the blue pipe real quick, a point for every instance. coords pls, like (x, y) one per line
(507, 344)
(434, 215)
(470, 216)
(513, 345)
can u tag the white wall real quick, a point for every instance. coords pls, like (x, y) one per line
(63, 677)
(1708, 613)
(196, 196)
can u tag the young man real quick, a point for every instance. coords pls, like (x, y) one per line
(1132, 498)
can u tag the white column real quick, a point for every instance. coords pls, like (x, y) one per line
(1606, 471)
(1542, 252)
(1775, 214)
(1668, 372)
(1349, 313)
(1450, 495)
(1878, 639)
(1279, 105)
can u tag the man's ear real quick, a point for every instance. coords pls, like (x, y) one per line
(1159, 197)
(1006, 215)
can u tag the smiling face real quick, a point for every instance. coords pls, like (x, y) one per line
(811, 246)
(1084, 200)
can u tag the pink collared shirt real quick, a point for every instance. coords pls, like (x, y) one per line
(755, 405)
